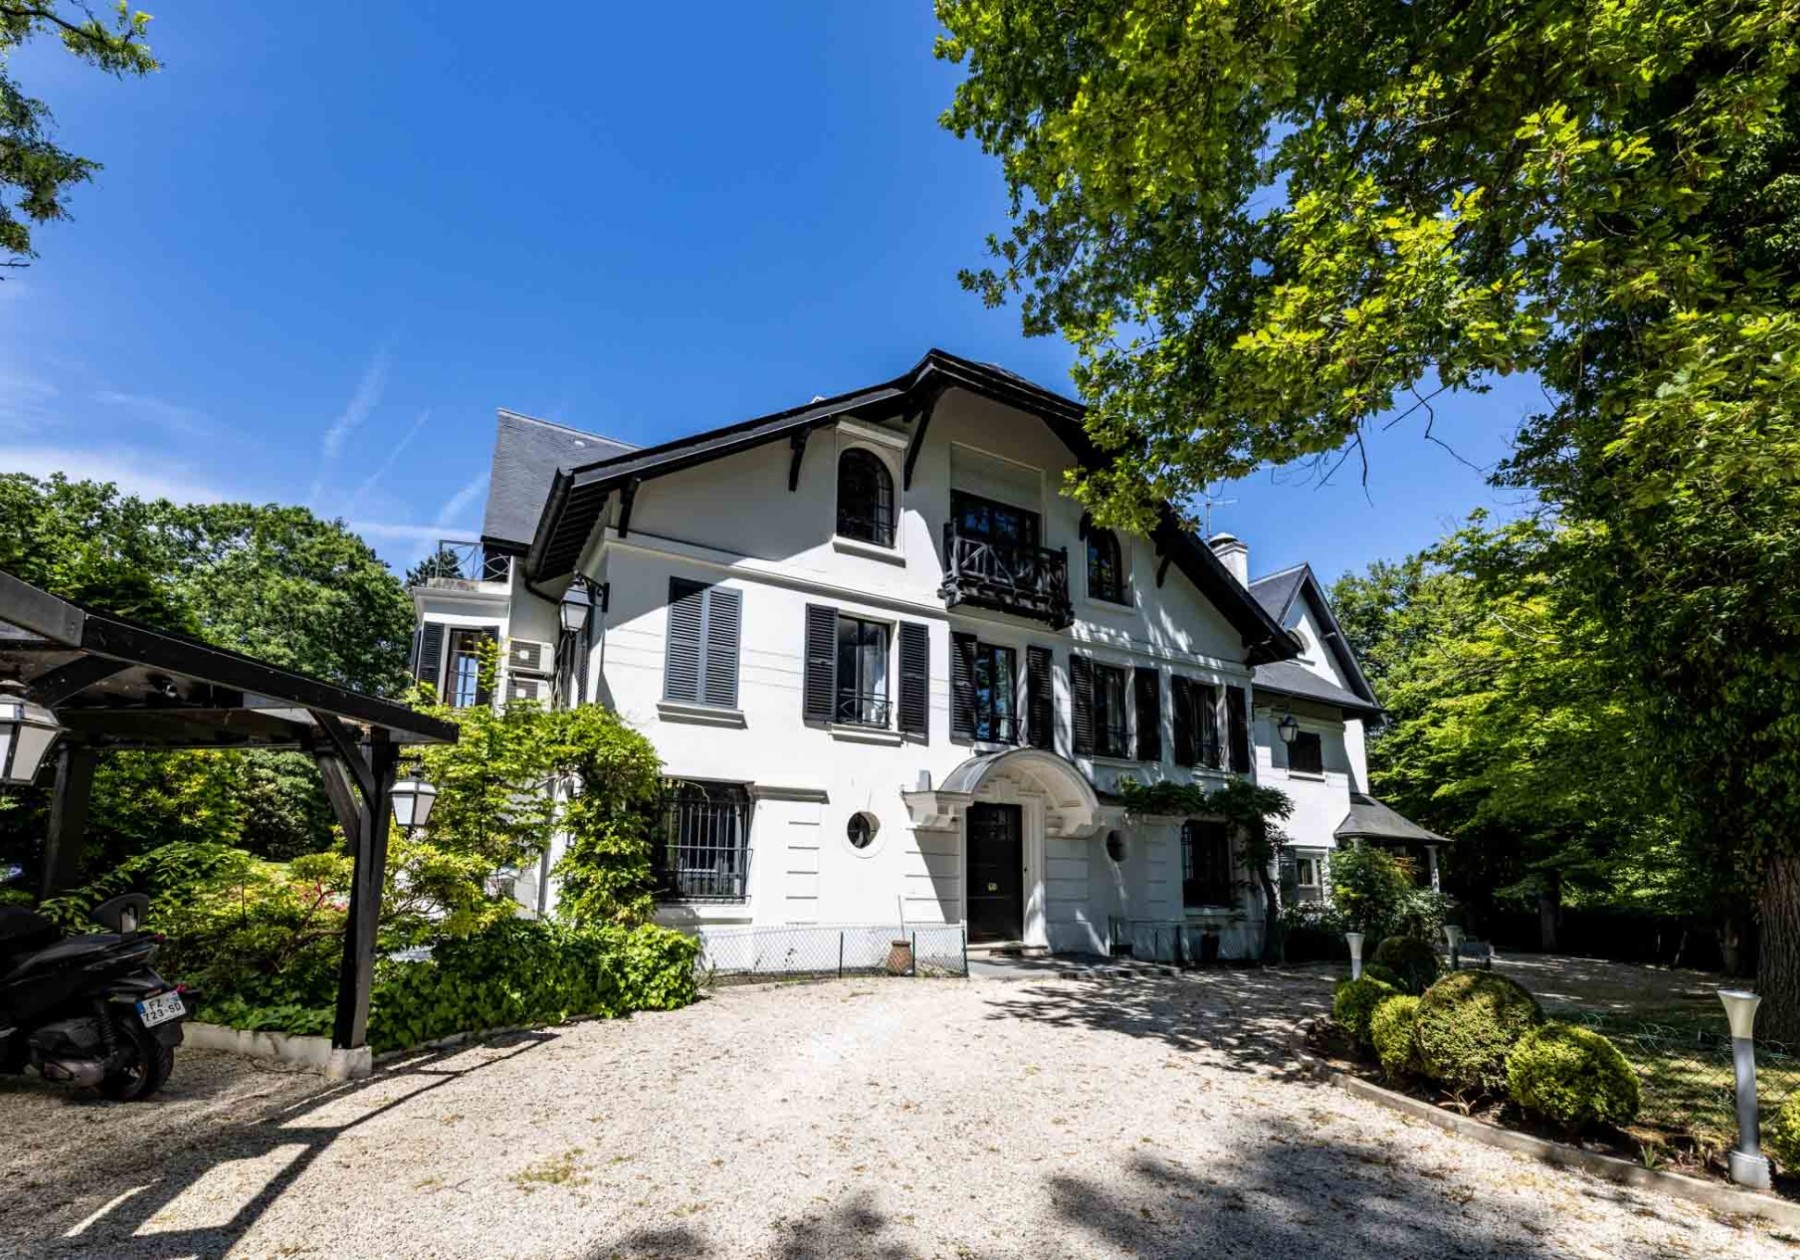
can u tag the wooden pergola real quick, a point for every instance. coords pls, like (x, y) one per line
(115, 684)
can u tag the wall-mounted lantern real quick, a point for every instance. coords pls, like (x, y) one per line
(27, 732)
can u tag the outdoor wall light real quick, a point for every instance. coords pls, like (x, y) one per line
(1356, 941)
(577, 605)
(27, 731)
(1454, 935)
(1747, 1165)
(413, 799)
(1288, 728)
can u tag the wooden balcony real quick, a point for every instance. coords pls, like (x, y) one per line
(1006, 577)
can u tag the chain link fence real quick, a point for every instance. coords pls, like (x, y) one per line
(1685, 1070)
(935, 949)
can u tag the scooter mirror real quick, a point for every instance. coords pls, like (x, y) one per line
(121, 914)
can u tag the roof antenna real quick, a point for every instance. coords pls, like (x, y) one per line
(1209, 499)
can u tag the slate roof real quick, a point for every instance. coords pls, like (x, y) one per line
(1276, 591)
(1291, 678)
(527, 453)
(1369, 819)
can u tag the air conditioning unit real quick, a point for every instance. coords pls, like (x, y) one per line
(520, 687)
(528, 656)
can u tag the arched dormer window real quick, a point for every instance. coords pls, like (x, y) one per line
(865, 498)
(1105, 566)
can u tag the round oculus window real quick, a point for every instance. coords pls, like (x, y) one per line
(861, 830)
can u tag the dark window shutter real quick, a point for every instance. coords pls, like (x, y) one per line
(1239, 717)
(719, 675)
(681, 668)
(1147, 683)
(820, 690)
(962, 686)
(428, 658)
(1181, 692)
(1081, 687)
(915, 679)
(1040, 698)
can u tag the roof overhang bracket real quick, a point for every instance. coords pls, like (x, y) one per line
(797, 441)
(927, 405)
(627, 497)
(67, 681)
(1162, 570)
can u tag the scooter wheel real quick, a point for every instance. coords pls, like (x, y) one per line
(147, 1066)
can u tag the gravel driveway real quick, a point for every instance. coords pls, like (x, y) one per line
(1041, 1116)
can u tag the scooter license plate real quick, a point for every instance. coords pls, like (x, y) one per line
(161, 1009)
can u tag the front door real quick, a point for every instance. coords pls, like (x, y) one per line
(996, 873)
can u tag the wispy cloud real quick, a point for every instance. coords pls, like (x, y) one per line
(26, 400)
(460, 502)
(132, 471)
(398, 449)
(366, 398)
(398, 531)
(170, 415)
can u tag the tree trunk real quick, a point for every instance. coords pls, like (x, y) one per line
(1549, 914)
(1274, 946)
(1731, 944)
(1778, 968)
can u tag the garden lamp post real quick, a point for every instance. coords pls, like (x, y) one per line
(413, 799)
(1454, 935)
(1355, 939)
(1747, 1165)
(27, 730)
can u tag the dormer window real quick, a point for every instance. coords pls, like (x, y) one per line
(1105, 566)
(865, 498)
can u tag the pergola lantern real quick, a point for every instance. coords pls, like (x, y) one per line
(81, 682)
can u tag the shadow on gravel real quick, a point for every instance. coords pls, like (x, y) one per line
(106, 1206)
(1304, 1194)
(1245, 1015)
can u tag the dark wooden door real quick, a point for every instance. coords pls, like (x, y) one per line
(996, 873)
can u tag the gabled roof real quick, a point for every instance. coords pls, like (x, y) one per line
(527, 453)
(1278, 592)
(579, 493)
(1369, 819)
(1291, 678)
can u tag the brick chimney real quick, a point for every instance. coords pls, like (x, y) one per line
(1234, 555)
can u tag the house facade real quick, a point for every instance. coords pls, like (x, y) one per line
(895, 674)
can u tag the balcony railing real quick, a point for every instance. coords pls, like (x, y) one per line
(1006, 577)
(462, 561)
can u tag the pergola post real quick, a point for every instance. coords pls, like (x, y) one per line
(379, 760)
(68, 817)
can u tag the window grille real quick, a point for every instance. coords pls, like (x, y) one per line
(1205, 864)
(703, 853)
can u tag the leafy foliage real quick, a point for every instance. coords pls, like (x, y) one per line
(605, 870)
(1394, 1032)
(1369, 887)
(1414, 961)
(1574, 1076)
(1468, 1023)
(1781, 1134)
(36, 175)
(1353, 1003)
(174, 871)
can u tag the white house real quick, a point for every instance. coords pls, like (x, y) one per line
(892, 670)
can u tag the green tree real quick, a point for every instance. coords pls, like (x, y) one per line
(616, 787)
(36, 175)
(1264, 225)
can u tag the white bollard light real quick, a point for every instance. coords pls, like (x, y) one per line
(1356, 940)
(1747, 1165)
(1454, 935)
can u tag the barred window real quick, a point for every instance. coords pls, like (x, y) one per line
(1205, 864)
(703, 853)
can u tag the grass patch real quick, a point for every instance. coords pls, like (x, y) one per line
(558, 1170)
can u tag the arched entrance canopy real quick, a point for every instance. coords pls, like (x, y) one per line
(112, 683)
(1071, 807)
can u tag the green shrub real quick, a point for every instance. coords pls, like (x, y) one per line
(1781, 1135)
(1573, 1076)
(1355, 1001)
(1393, 1031)
(1369, 887)
(1413, 962)
(1468, 1022)
(1383, 973)
(524, 972)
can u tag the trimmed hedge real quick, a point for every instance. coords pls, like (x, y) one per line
(523, 972)
(1394, 1032)
(1468, 1022)
(1412, 960)
(1354, 1001)
(1574, 1076)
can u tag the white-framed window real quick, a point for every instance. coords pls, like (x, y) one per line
(865, 497)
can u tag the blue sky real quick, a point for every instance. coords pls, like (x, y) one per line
(330, 239)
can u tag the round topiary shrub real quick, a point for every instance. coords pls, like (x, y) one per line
(1468, 1022)
(1387, 975)
(1412, 960)
(1781, 1134)
(1573, 1076)
(1393, 1030)
(1355, 1001)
